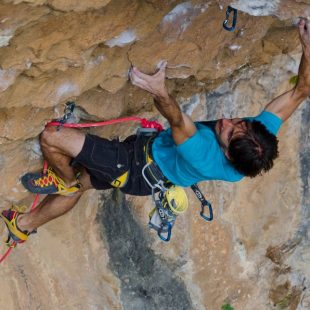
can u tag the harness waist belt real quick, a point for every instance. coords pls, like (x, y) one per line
(151, 170)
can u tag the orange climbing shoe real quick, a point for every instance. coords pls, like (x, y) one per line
(48, 183)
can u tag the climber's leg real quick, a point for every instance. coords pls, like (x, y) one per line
(21, 225)
(58, 147)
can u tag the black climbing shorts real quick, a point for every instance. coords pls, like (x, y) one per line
(105, 160)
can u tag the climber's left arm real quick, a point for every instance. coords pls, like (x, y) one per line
(284, 105)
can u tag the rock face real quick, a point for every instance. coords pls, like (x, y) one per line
(255, 254)
(283, 9)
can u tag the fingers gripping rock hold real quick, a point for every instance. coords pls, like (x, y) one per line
(154, 84)
(161, 65)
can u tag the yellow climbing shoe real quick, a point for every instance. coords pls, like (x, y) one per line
(48, 183)
(10, 219)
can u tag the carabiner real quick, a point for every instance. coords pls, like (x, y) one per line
(160, 231)
(69, 108)
(210, 217)
(70, 105)
(234, 21)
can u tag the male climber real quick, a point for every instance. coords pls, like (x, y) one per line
(188, 152)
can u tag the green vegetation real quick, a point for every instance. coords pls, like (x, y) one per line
(294, 80)
(284, 303)
(227, 307)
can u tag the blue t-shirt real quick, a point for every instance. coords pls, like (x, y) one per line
(200, 158)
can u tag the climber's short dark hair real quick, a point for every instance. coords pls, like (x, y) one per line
(253, 153)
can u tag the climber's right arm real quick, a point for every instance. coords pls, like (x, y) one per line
(284, 105)
(182, 126)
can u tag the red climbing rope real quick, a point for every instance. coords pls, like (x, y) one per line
(143, 122)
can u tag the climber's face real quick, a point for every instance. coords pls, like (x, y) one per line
(226, 129)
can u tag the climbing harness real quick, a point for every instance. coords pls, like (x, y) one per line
(170, 200)
(234, 19)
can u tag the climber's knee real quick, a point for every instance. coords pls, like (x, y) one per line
(67, 140)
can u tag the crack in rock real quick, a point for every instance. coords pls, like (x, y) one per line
(147, 280)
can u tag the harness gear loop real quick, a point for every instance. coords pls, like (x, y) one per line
(159, 183)
(234, 20)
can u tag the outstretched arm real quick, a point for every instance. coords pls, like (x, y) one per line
(182, 126)
(284, 105)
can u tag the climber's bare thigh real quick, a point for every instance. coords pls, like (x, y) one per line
(68, 141)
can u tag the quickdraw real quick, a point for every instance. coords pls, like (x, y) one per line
(234, 20)
(204, 203)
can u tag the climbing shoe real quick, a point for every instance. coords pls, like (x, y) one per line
(48, 183)
(15, 234)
